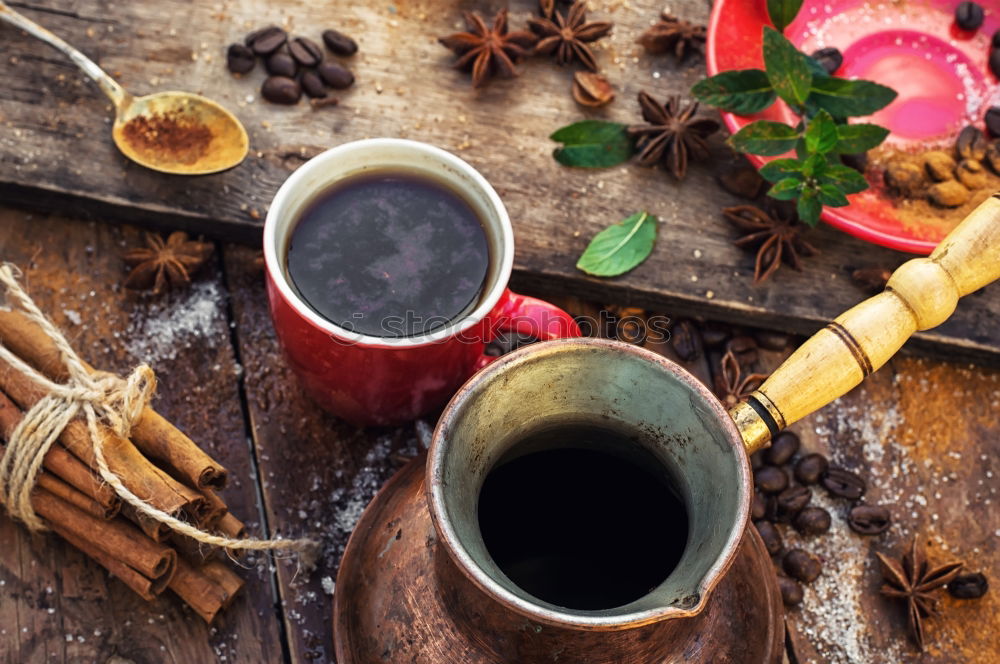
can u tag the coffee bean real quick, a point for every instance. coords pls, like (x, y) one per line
(757, 460)
(994, 63)
(771, 537)
(281, 64)
(993, 115)
(305, 51)
(790, 502)
(281, 90)
(829, 58)
(758, 508)
(336, 76)
(812, 521)
(744, 348)
(772, 340)
(240, 59)
(969, 15)
(791, 590)
(770, 479)
(869, 519)
(339, 43)
(312, 84)
(858, 161)
(968, 586)
(971, 144)
(783, 448)
(801, 565)
(843, 483)
(685, 340)
(995, 42)
(810, 468)
(714, 335)
(266, 40)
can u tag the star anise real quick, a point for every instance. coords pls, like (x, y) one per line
(673, 135)
(489, 50)
(777, 237)
(913, 580)
(163, 264)
(546, 7)
(731, 385)
(672, 34)
(566, 35)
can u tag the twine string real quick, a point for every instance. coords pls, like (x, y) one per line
(102, 398)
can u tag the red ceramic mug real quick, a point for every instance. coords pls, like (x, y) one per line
(370, 380)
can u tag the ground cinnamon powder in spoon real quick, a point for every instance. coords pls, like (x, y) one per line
(167, 137)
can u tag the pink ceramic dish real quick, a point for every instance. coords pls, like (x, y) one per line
(913, 46)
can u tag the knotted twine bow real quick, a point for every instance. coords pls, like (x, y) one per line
(103, 398)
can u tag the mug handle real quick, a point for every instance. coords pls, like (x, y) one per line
(530, 316)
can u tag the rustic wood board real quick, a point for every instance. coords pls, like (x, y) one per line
(56, 151)
(924, 434)
(55, 604)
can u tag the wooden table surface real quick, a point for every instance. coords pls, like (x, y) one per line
(56, 149)
(923, 432)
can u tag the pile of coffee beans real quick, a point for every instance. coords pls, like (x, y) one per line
(969, 16)
(783, 479)
(294, 64)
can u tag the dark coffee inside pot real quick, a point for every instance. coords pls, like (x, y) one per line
(389, 254)
(582, 517)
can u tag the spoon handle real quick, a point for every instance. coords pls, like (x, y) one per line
(921, 294)
(110, 87)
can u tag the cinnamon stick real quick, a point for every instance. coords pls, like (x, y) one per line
(60, 462)
(118, 539)
(201, 591)
(155, 530)
(152, 433)
(136, 472)
(194, 551)
(215, 509)
(231, 527)
(225, 577)
(145, 588)
(60, 489)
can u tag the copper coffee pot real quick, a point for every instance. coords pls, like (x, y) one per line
(417, 584)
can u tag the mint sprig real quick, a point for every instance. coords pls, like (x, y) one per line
(815, 176)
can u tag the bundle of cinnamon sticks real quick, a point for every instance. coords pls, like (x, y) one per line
(157, 463)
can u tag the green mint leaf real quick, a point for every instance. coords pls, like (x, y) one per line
(816, 68)
(786, 189)
(619, 248)
(843, 98)
(809, 207)
(844, 178)
(743, 92)
(814, 166)
(830, 195)
(786, 68)
(782, 12)
(593, 144)
(821, 134)
(856, 138)
(765, 138)
(780, 169)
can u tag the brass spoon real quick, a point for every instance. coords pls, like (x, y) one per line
(170, 132)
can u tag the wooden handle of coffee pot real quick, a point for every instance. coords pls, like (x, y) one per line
(921, 294)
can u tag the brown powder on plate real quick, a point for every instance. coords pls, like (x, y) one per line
(916, 213)
(167, 137)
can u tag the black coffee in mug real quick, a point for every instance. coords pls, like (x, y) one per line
(582, 517)
(389, 254)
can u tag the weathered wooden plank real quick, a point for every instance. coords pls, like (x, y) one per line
(49, 119)
(317, 473)
(56, 605)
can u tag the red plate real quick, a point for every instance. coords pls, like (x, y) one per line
(913, 46)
